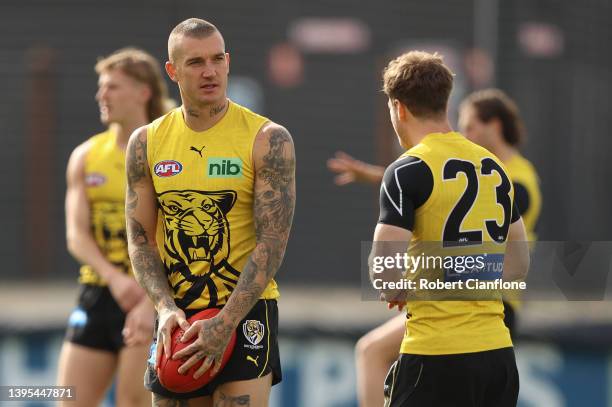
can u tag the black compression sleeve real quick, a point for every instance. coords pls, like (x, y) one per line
(406, 185)
(521, 197)
(516, 215)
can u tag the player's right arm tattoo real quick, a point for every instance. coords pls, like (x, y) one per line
(141, 217)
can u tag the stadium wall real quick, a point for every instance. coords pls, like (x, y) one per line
(318, 370)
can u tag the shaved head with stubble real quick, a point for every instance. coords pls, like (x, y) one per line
(192, 27)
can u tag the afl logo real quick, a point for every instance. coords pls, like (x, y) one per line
(94, 179)
(168, 168)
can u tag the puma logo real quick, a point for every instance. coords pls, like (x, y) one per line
(250, 359)
(199, 151)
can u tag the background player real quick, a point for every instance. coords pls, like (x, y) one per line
(112, 309)
(489, 118)
(223, 179)
(446, 189)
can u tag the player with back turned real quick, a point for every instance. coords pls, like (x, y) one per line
(449, 190)
(491, 119)
(211, 194)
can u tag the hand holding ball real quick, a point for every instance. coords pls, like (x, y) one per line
(167, 369)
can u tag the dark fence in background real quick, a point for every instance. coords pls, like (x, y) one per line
(551, 56)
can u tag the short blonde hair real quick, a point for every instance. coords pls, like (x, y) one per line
(420, 81)
(142, 67)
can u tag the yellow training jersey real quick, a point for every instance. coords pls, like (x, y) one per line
(470, 204)
(524, 175)
(204, 185)
(105, 183)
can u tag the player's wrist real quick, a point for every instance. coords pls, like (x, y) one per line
(374, 173)
(111, 273)
(229, 320)
(166, 305)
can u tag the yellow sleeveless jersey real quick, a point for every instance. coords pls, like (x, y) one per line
(523, 173)
(105, 183)
(470, 202)
(204, 185)
(529, 201)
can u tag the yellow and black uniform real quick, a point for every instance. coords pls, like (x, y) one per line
(204, 186)
(527, 193)
(451, 191)
(97, 321)
(528, 200)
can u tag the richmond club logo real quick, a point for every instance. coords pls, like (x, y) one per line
(167, 168)
(253, 331)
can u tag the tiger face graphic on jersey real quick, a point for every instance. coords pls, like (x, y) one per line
(197, 241)
(196, 225)
(108, 228)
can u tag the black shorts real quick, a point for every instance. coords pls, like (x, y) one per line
(97, 320)
(479, 379)
(255, 354)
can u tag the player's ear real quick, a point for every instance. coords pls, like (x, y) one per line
(145, 93)
(227, 58)
(496, 125)
(401, 110)
(171, 71)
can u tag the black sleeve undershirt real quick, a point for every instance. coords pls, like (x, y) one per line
(521, 198)
(406, 185)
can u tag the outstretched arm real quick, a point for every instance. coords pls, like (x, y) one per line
(273, 206)
(350, 169)
(141, 217)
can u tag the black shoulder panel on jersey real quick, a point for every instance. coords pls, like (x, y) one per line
(521, 197)
(516, 215)
(406, 185)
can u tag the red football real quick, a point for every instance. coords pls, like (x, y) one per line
(167, 370)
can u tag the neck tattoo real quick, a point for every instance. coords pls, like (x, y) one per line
(193, 113)
(215, 110)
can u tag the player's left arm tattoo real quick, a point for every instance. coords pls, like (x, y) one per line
(273, 207)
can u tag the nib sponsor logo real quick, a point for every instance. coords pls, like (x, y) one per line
(224, 167)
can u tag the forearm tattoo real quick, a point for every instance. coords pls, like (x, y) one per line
(146, 263)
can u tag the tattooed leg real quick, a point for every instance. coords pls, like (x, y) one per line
(225, 400)
(161, 401)
(251, 393)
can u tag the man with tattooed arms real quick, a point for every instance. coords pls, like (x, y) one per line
(210, 200)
